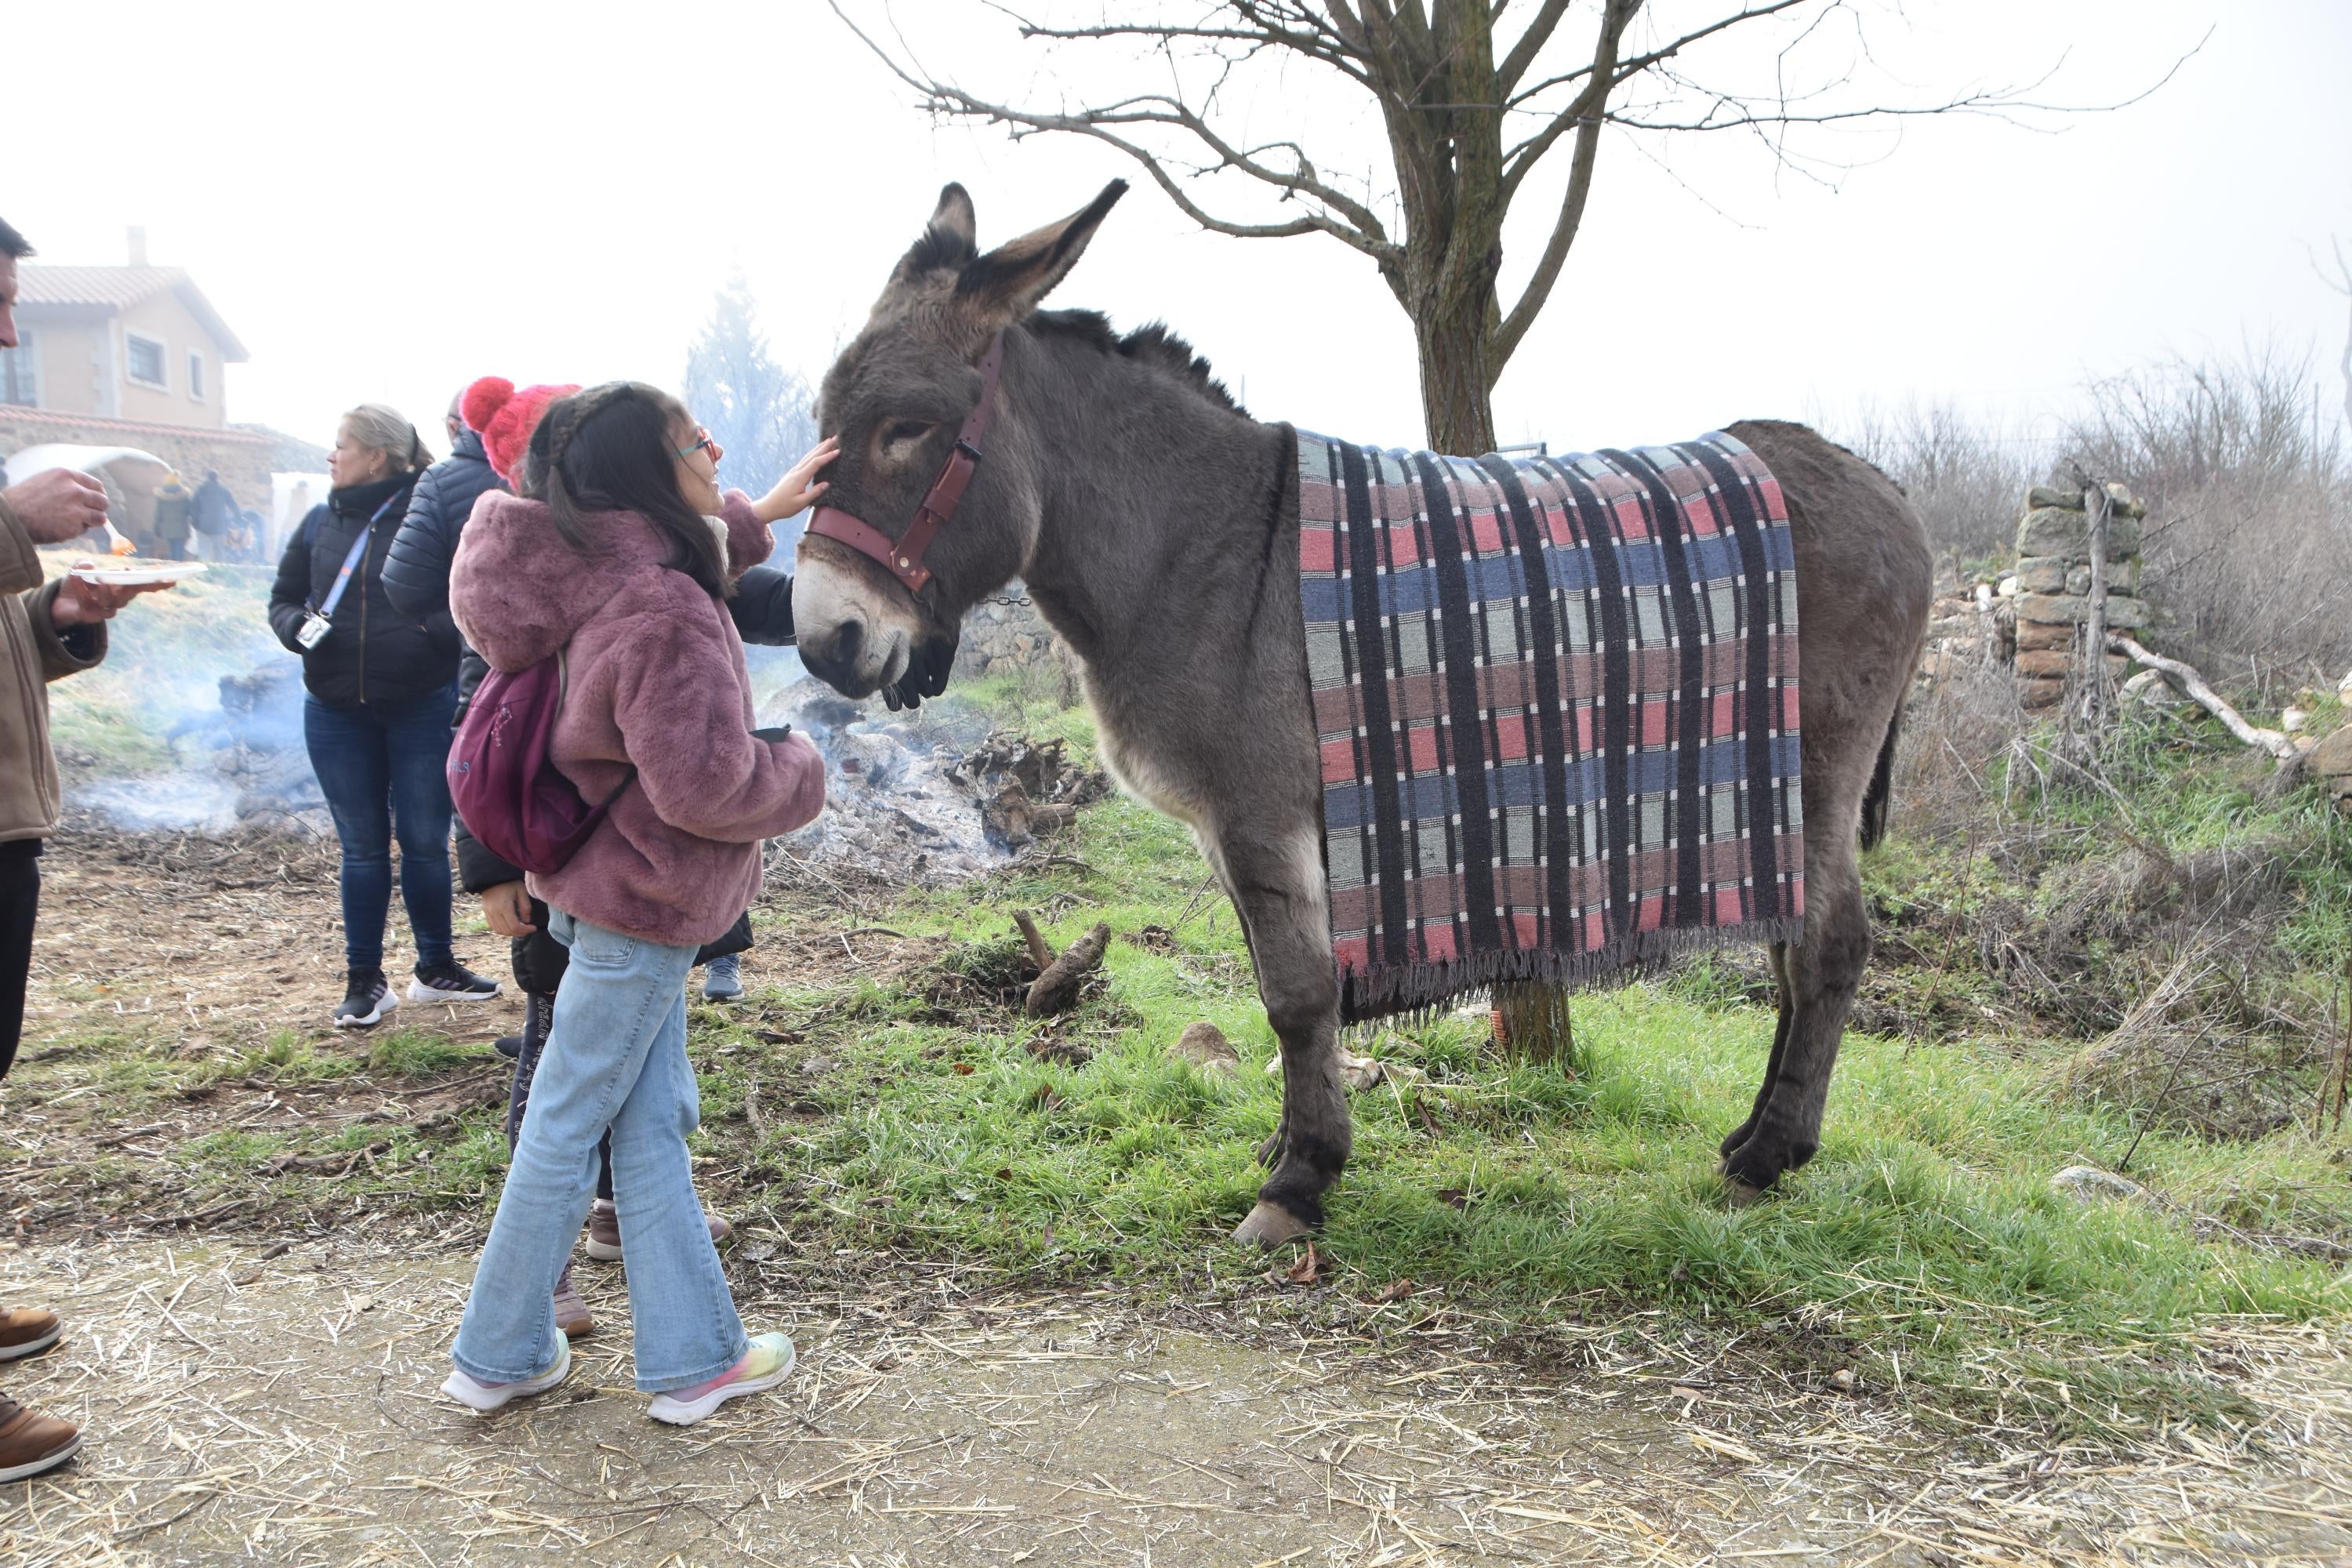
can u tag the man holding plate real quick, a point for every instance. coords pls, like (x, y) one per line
(47, 630)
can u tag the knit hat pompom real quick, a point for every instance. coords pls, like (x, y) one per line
(480, 402)
(508, 418)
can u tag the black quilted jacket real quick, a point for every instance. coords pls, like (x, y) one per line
(376, 653)
(417, 573)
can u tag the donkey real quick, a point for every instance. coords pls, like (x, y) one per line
(1156, 525)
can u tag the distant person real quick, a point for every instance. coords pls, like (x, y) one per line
(244, 544)
(212, 514)
(297, 507)
(612, 561)
(382, 687)
(47, 630)
(173, 504)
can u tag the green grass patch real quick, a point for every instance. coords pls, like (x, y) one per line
(1925, 1235)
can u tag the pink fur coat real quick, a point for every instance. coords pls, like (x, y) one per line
(654, 676)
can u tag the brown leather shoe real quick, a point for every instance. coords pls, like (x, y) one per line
(604, 1230)
(31, 1443)
(572, 1314)
(24, 1332)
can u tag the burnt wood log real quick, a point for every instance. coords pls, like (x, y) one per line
(1057, 988)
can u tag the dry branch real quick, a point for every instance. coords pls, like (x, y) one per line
(2280, 746)
(1039, 953)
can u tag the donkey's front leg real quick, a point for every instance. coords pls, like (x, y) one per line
(1278, 884)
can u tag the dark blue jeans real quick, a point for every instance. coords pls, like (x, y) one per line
(379, 766)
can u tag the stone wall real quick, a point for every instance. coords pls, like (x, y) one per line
(1005, 633)
(243, 460)
(2050, 588)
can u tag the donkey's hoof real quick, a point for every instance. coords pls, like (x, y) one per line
(1741, 1192)
(1737, 1188)
(1272, 1226)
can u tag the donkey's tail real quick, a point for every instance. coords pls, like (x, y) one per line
(1882, 787)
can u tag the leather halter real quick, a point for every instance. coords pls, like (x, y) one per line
(903, 557)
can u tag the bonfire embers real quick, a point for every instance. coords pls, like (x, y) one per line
(900, 805)
(1028, 791)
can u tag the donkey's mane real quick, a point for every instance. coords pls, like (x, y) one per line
(1151, 343)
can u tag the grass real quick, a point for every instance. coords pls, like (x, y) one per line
(1925, 1235)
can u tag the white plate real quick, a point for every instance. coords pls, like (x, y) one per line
(132, 576)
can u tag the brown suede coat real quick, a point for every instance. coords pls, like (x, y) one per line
(35, 654)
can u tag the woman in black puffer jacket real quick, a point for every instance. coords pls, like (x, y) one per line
(382, 687)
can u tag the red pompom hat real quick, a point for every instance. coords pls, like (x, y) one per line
(504, 419)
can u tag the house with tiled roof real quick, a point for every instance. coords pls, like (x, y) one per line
(129, 356)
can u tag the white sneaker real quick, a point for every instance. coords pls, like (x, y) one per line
(451, 982)
(768, 1363)
(482, 1398)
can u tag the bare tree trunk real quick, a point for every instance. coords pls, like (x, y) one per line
(1454, 406)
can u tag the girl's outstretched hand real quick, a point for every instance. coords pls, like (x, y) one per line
(798, 489)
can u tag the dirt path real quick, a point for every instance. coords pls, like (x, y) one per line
(282, 1410)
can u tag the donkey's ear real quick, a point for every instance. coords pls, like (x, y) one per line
(1006, 284)
(950, 240)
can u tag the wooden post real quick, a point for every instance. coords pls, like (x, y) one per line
(2096, 511)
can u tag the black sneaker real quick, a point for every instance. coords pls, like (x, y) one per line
(509, 1046)
(366, 1000)
(450, 982)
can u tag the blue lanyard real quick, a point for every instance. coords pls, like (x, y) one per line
(351, 561)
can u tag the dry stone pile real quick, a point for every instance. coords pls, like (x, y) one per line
(2050, 593)
(1006, 633)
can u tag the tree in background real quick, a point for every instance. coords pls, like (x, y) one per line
(1475, 97)
(762, 414)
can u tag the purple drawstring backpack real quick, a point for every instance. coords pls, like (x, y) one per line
(507, 791)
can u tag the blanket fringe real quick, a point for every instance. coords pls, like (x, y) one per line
(1420, 992)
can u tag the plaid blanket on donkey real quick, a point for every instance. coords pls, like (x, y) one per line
(1557, 703)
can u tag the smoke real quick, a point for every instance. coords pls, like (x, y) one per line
(195, 721)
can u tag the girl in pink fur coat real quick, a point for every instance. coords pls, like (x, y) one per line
(621, 558)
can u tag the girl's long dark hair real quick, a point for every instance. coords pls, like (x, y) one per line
(612, 448)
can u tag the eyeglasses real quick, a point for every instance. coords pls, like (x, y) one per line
(702, 442)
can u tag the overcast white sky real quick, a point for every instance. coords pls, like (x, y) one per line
(386, 200)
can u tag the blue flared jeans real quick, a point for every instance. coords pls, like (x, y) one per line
(615, 1058)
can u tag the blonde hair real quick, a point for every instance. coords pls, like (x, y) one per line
(388, 431)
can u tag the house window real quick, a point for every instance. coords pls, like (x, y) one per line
(145, 359)
(20, 376)
(195, 376)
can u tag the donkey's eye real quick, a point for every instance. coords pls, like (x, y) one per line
(905, 432)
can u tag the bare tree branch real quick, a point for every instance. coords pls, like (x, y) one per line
(1538, 290)
(1447, 80)
(1363, 229)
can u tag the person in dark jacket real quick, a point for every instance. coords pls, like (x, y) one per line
(382, 687)
(417, 572)
(213, 514)
(173, 501)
